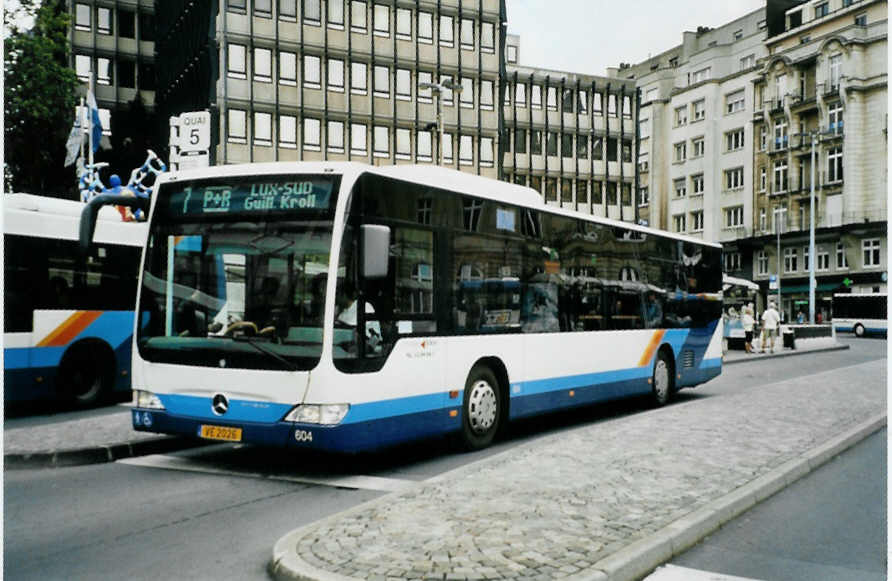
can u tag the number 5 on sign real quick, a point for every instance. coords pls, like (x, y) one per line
(195, 131)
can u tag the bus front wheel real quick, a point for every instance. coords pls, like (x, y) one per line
(85, 374)
(859, 330)
(662, 379)
(481, 408)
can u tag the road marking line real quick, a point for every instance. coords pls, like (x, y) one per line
(676, 573)
(358, 482)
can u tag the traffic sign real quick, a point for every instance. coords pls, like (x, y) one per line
(194, 131)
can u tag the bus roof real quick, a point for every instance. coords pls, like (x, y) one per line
(425, 174)
(57, 218)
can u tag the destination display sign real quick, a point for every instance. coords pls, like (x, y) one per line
(258, 195)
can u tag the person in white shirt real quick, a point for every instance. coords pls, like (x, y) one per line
(770, 323)
(748, 321)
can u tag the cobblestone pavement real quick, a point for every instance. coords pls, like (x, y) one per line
(560, 506)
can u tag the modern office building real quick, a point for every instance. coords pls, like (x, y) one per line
(821, 94)
(571, 137)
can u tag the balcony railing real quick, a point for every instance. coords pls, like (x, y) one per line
(802, 223)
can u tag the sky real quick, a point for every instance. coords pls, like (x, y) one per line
(587, 36)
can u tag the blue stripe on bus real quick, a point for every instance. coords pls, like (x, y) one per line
(239, 410)
(25, 357)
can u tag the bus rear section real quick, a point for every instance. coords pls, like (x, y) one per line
(346, 310)
(68, 323)
(860, 313)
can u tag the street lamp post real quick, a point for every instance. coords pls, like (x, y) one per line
(437, 90)
(777, 227)
(811, 237)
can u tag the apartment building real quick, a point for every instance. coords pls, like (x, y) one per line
(821, 94)
(695, 125)
(571, 137)
(113, 41)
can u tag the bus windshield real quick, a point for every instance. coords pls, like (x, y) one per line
(242, 287)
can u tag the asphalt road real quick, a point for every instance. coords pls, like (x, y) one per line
(215, 513)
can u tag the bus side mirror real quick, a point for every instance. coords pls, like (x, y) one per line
(375, 250)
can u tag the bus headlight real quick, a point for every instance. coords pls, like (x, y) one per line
(324, 414)
(147, 400)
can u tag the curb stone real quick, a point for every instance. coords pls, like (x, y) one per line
(788, 353)
(97, 454)
(640, 557)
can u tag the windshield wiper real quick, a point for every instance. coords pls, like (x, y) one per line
(259, 347)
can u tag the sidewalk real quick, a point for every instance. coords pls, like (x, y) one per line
(610, 500)
(803, 346)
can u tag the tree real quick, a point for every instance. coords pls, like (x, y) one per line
(39, 101)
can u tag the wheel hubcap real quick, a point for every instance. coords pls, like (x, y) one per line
(661, 379)
(482, 407)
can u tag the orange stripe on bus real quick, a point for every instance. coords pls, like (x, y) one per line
(651, 347)
(69, 329)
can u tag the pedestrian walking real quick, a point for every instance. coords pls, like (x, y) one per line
(770, 323)
(748, 320)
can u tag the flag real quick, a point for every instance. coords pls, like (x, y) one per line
(75, 138)
(94, 119)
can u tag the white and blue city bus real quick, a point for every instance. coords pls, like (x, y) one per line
(68, 317)
(860, 313)
(366, 306)
(736, 294)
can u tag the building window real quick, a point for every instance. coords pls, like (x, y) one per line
(535, 142)
(312, 73)
(780, 134)
(566, 145)
(486, 151)
(520, 94)
(263, 128)
(699, 147)
(465, 150)
(551, 143)
(611, 105)
(598, 148)
(763, 138)
(448, 149)
(835, 118)
(567, 100)
(466, 97)
(312, 12)
(486, 95)
(336, 75)
(680, 151)
(780, 176)
(425, 94)
(381, 20)
(404, 23)
(103, 71)
(359, 139)
(536, 96)
(312, 134)
(288, 131)
(82, 17)
(842, 262)
(103, 20)
(791, 258)
(381, 81)
(747, 62)
(582, 146)
(734, 139)
(582, 98)
(403, 84)
(698, 109)
(835, 71)
(834, 164)
(734, 178)
(288, 10)
(627, 151)
(697, 184)
(681, 189)
(870, 251)
(447, 32)
(763, 220)
(701, 75)
(403, 143)
(581, 192)
(681, 116)
(487, 37)
(263, 65)
(263, 8)
(237, 132)
(734, 102)
(358, 16)
(336, 14)
(823, 263)
(861, 20)
(467, 34)
(734, 217)
(732, 261)
(697, 221)
(127, 73)
(426, 27)
(424, 145)
(287, 68)
(335, 137)
(381, 136)
(678, 221)
(236, 68)
(520, 141)
(763, 179)
(551, 98)
(762, 262)
(643, 196)
(822, 9)
(805, 258)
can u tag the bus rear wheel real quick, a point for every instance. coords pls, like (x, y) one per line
(859, 330)
(661, 384)
(85, 375)
(481, 409)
